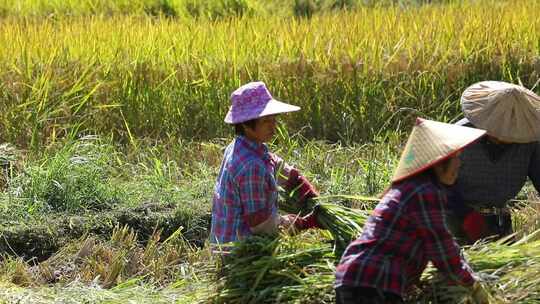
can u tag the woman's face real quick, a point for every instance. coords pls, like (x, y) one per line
(447, 172)
(265, 128)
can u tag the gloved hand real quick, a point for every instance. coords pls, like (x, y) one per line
(479, 293)
(307, 222)
(474, 226)
(301, 223)
(300, 186)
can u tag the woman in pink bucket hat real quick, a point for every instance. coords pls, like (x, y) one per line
(407, 229)
(246, 191)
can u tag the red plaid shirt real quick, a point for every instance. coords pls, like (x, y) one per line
(406, 230)
(246, 192)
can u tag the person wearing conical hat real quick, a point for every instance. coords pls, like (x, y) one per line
(495, 168)
(246, 191)
(407, 229)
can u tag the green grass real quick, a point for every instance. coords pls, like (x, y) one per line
(92, 185)
(355, 74)
(95, 175)
(177, 178)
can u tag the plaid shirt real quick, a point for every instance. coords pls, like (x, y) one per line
(406, 230)
(490, 174)
(246, 192)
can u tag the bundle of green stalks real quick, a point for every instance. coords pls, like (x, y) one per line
(343, 223)
(300, 269)
(283, 269)
(509, 272)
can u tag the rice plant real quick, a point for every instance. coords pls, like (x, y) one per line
(357, 75)
(189, 8)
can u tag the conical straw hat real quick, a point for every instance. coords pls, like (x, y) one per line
(431, 142)
(506, 111)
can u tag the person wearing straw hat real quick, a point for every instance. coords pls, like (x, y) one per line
(246, 191)
(407, 229)
(495, 168)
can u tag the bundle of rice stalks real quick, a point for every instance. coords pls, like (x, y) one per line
(283, 269)
(344, 224)
(511, 274)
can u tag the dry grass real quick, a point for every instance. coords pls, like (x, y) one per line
(107, 264)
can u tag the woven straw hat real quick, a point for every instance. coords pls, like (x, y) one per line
(431, 142)
(253, 100)
(506, 111)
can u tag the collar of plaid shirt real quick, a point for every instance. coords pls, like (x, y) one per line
(259, 149)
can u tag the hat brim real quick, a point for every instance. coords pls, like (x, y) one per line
(272, 107)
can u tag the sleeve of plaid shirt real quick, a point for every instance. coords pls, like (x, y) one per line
(254, 188)
(441, 249)
(534, 167)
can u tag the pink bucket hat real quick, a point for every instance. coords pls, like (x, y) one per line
(253, 100)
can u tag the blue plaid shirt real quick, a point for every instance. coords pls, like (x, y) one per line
(490, 174)
(246, 192)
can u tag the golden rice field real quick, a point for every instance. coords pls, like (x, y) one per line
(356, 74)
